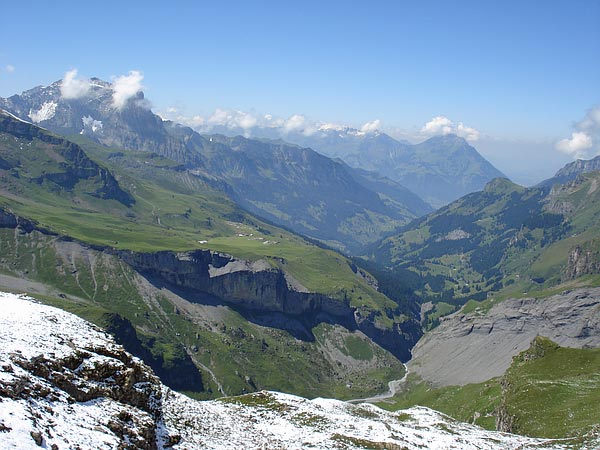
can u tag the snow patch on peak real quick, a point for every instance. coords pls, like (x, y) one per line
(332, 127)
(344, 131)
(89, 123)
(46, 112)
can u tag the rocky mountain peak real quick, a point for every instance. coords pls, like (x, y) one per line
(448, 139)
(571, 171)
(580, 166)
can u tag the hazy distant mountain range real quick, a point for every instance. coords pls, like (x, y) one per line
(440, 169)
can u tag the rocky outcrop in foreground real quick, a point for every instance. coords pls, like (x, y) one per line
(474, 347)
(65, 384)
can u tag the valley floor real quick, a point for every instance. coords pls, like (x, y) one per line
(394, 387)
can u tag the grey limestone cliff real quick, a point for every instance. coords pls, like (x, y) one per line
(252, 285)
(583, 260)
(474, 347)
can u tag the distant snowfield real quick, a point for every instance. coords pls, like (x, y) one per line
(39, 380)
(46, 112)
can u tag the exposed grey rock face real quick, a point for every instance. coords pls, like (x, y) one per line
(572, 171)
(252, 285)
(580, 166)
(133, 126)
(258, 287)
(217, 278)
(583, 260)
(476, 347)
(9, 220)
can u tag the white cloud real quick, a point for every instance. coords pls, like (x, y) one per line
(239, 120)
(295, 123)
(441, 125)
(469, 133)
(73, 87)
(437, 125)
(219, 117)
(273, 122)
(248, 123)
(126, 86)
(585, 140)
(9, 68)
(197, 121)
(591, 121)
(324, 126)
(230, 119)
(174, 114)
(578, 146)
(371, 127)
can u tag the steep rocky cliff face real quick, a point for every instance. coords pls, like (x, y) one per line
(474, 347)
(9, 220)
(583, 260)
(253, 285)
(572, 170)
(256, 286)
(131, 126)
(259, 287)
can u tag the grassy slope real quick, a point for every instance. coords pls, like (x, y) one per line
(174, 212)
(549, 391)
(473, 403)
(231, 346)
(553, 391)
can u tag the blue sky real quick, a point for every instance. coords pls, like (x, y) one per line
(523, 73)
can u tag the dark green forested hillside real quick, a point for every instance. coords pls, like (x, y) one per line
(505, 238)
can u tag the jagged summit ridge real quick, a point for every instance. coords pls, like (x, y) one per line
(66, 384)
(572, 170)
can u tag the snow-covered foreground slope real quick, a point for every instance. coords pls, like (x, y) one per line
(66, 384)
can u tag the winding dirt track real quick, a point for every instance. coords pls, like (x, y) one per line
(393, 387)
